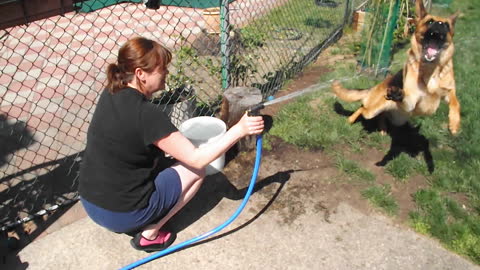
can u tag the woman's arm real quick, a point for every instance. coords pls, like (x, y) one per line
(179, 147)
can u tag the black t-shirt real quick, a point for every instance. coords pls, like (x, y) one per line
(117, 169)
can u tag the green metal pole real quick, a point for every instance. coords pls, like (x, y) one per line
(224, 42)
(384, 57)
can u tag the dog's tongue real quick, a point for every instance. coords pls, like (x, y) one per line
(432, 51)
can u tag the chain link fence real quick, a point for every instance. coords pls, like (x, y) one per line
(52, 71)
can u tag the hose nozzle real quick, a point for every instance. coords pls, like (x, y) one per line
(255, 109)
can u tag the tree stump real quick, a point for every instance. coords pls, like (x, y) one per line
(236, 101)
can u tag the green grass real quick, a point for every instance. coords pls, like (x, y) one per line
(312, 122)
(352, 168)
(404, 166)
(303, 123)
(380, 196)
(301, 16)
(443, 218)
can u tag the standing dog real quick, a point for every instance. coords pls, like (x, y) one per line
(426, 78)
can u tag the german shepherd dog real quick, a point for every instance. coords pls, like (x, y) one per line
(426, 78)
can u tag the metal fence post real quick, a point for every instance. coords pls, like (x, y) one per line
(224, 44)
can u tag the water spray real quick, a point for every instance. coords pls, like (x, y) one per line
(255, 109)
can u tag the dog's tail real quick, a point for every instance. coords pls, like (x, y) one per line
(348, 95)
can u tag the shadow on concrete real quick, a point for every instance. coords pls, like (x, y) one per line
(405, 139)
(14, 136)
(32, 192)
(58, 187)
(24, 193)
(214, 189)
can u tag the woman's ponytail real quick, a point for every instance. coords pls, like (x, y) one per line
(115, 79)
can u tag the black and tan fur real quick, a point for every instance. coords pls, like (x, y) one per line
(426, 79)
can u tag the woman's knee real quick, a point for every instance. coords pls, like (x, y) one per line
(188, 173)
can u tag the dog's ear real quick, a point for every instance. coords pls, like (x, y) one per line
(420, 10)
(455, 16)
(407, 28)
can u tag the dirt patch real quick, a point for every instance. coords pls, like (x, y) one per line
(294, 182)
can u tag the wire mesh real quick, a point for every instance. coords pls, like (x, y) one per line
(378, 37)
(52, 71)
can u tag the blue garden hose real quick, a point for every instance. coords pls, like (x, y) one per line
(215, 230)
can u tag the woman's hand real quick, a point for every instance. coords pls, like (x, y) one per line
(250, 125)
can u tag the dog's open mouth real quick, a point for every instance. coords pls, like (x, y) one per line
(434, 40)
(431, 51)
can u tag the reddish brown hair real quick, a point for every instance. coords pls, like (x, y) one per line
(137, 52)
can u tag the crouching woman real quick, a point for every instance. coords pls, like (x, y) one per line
(121, 186)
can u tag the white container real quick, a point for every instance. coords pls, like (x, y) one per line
(202, 131)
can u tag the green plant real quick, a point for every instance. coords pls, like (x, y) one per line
(336, 51)
(355, 47)
(402, 167)
(351, 168)
(443, 218)
(241, 66)
(380, 196)
(381, 24)
(469, 244)
(213, 69)
(267, 142)
(184, 57)
(208, 108)
(418, 223)
(404, 28)
(251, 37)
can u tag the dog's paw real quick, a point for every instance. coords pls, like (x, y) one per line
(454, 129)
(336, 84)
(394, 93)
(454, 121)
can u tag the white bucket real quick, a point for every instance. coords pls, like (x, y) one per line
(204, 130)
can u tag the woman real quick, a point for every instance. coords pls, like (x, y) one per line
(128, 137)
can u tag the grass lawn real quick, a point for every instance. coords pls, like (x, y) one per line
(448, 208)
